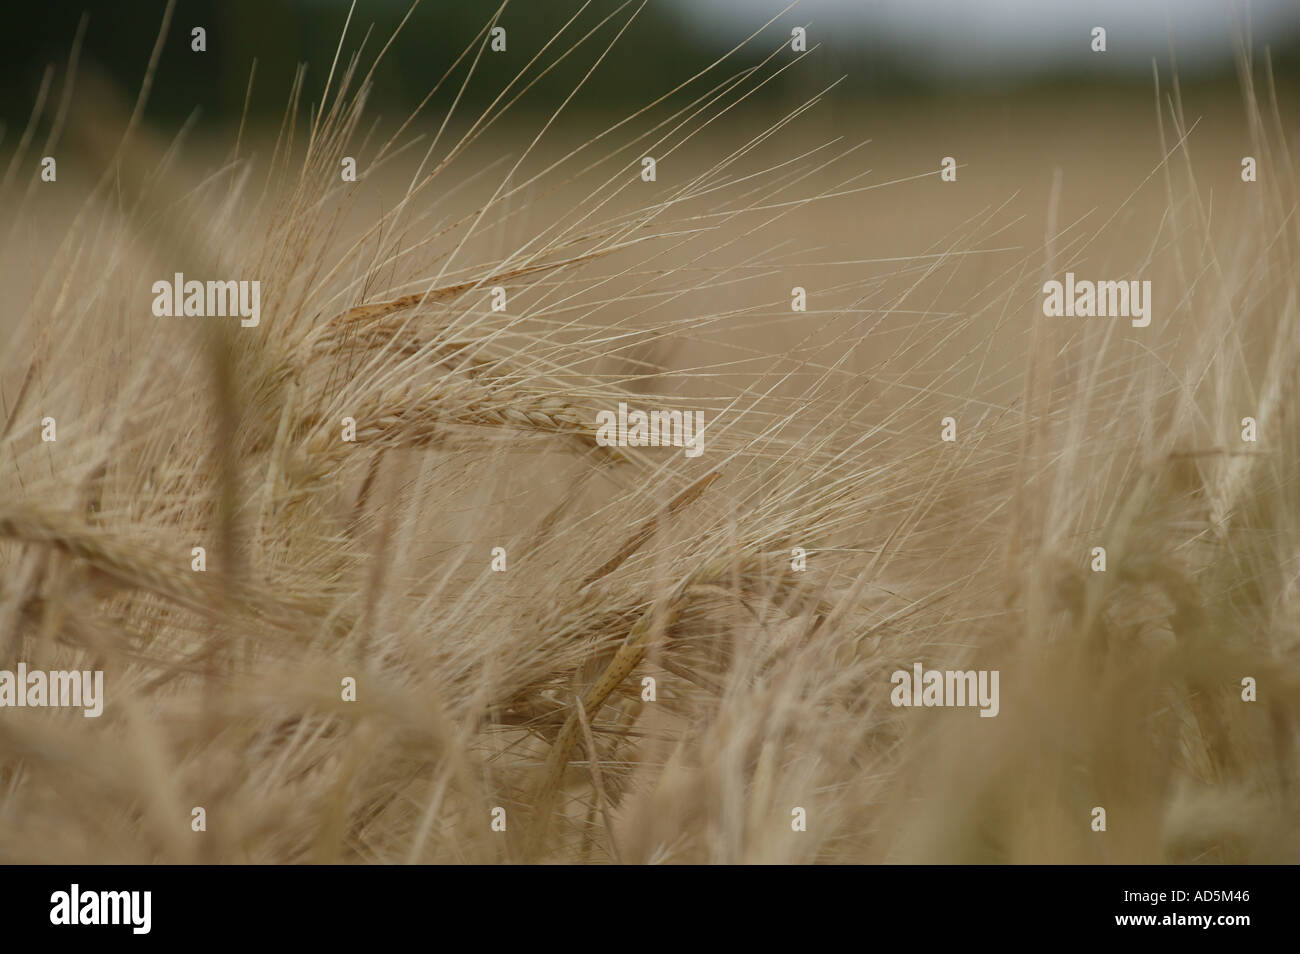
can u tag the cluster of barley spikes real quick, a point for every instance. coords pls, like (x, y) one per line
(474, 634)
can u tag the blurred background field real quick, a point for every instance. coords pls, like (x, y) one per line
(1076, 139)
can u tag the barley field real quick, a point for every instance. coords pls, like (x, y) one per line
(367, 584)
